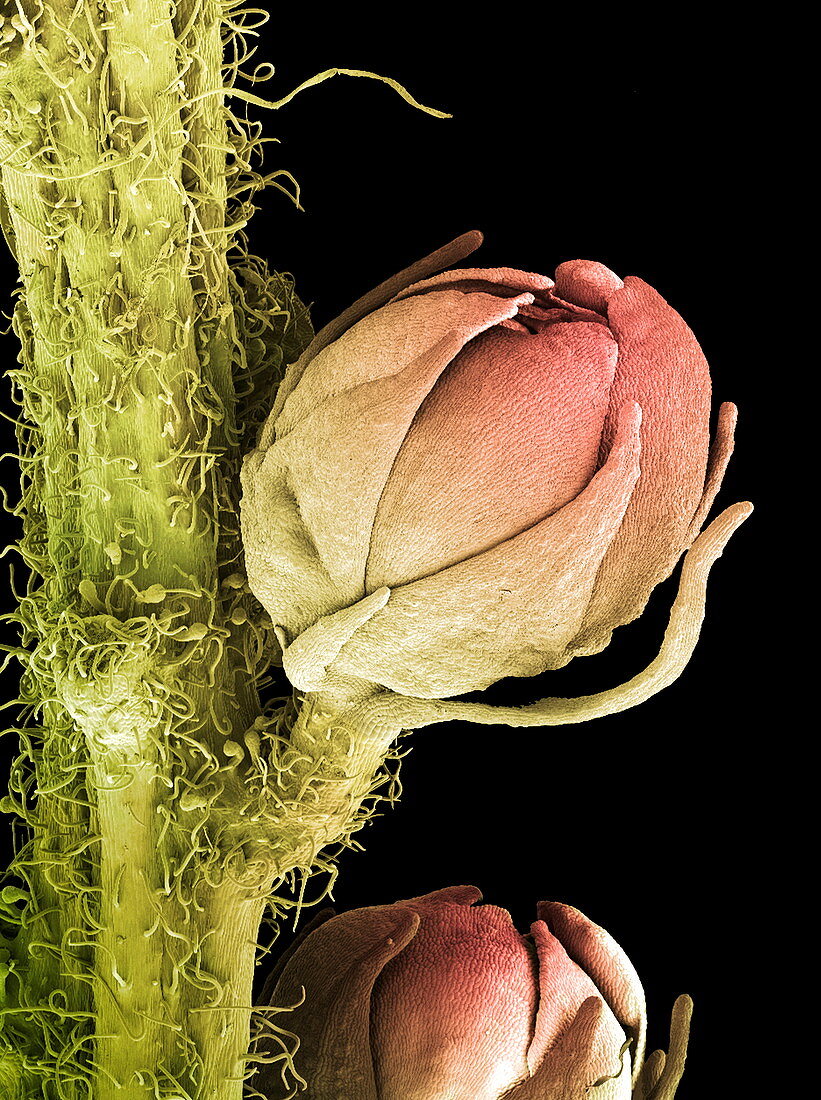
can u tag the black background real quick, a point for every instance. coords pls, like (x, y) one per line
(573, 139)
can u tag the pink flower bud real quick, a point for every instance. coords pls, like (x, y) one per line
(437, 997)
(502, 467)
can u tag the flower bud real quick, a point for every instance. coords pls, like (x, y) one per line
(478, 473)
(438, 997)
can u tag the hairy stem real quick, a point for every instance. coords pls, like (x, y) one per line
(143, 650)
(135, 988)
(163, 806)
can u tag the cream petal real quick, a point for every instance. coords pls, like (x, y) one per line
(388, 709)
(582, 1055)
(507, 612)
(340, 453)
(449, 254)
(383, 343)
(337, 488)
(284, 570)
(494, 280)
(306, 660)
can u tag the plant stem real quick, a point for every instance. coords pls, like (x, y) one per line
(135, 992)
(163, 803)
(134, 959)
(175, 959)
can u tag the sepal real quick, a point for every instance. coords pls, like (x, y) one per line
(577, 1064)
(681, 636)
(661, 1075)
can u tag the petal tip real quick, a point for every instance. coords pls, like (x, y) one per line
(735, 515)
(729, 409)
(474, 238)
(632, 413)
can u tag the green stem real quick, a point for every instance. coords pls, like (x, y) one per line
(148, 651)
(164, 805)
(135, 991)
(221, 1026)
(175, 957)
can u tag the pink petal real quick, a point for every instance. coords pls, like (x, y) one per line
(563, 989)
(509, 434)
(510, 611)
(587, 284)
(332, 973)
(598, 954)
(452, 1015)
(662, 367)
